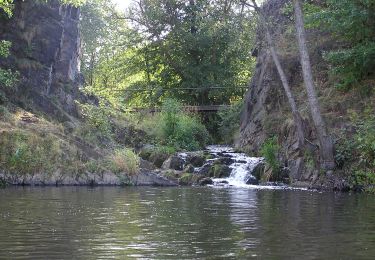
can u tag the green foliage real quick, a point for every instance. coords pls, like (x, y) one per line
(269, 151)
(97, 125)
(230, 121)
(352, 23)
(171, 111)
(27, 154)
(124, 161)
(355, 153)
(181, 130)
(7, 7)
(200, 56)
(8, 78)
(364, 139)
(188, 179)
(4, 48)
(364, 180)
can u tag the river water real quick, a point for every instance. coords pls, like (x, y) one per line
(184, 223)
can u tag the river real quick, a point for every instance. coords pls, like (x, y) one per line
(184, 223)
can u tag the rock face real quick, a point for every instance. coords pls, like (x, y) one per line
(266, 112)
(147, 178)
(45, 50)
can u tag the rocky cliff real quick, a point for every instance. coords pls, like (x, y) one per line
(267, 113)
(45, 50)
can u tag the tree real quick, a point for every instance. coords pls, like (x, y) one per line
(195, 51)
(351, 24)
(291, 100)
(325, 140)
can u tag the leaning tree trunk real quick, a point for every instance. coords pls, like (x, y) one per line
(325, 140)
(296, 115)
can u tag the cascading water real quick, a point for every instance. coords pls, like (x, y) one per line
(241, 167)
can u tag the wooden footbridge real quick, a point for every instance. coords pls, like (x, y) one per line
(190, 109)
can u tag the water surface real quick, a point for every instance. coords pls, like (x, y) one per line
(184, 223)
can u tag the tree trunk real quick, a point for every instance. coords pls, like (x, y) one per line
(296, 115)
(325, 141)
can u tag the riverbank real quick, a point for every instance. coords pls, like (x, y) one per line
(218, 166)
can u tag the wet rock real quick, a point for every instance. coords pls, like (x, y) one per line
(223, 154)
(87, 179)
(204, 170)
(146, 165)
(174, 163)
(258, 171)
(219, 171)
(189, 168)
(154, 155)
(240, 161)
(226, 160)
(196, 160)
(189, 179)
(252, 181)
(206, 181)
(152, 179)
(223, 182)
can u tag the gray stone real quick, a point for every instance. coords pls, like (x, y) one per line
(206, 181)
(174, 163)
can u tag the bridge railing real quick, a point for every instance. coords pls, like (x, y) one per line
(196, 109)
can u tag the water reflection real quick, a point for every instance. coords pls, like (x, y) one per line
(184, 223)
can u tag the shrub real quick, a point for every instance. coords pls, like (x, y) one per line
(351, 23)
(269, 151)
(364, 139)
(125, 160)
(28, 153)
(230, 121)
(364, 180)
(174, 128)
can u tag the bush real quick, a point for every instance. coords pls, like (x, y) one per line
(364, 180)
(269, 151)
(364, 139)
(351, 23)
(230, 121)
(28, 153)
(174, 128)
(125, 160)
(97, 127)
(8, 78)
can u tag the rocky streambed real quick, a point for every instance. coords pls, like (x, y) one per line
(217, 166)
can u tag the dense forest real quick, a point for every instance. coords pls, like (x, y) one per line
(120, 93)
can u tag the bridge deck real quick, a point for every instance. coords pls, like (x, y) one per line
(208, 108)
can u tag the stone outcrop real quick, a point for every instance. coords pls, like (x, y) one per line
(45, 50)
(266, 112)
(146, 178)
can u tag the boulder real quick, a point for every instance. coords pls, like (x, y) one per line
(146, 165)
(204, 170)
(226, 160)
(258, 171)
(196, 160)
(252, 181)
(220, 171)
(206, 181)
(189, 168)
(174, 163)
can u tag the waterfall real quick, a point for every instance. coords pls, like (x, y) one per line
(241, 167)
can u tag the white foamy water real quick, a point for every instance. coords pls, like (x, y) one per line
(242, 167)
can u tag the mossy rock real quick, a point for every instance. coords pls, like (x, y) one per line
(189, 168)
(189, 179)
(219, 171)
(197, 160)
